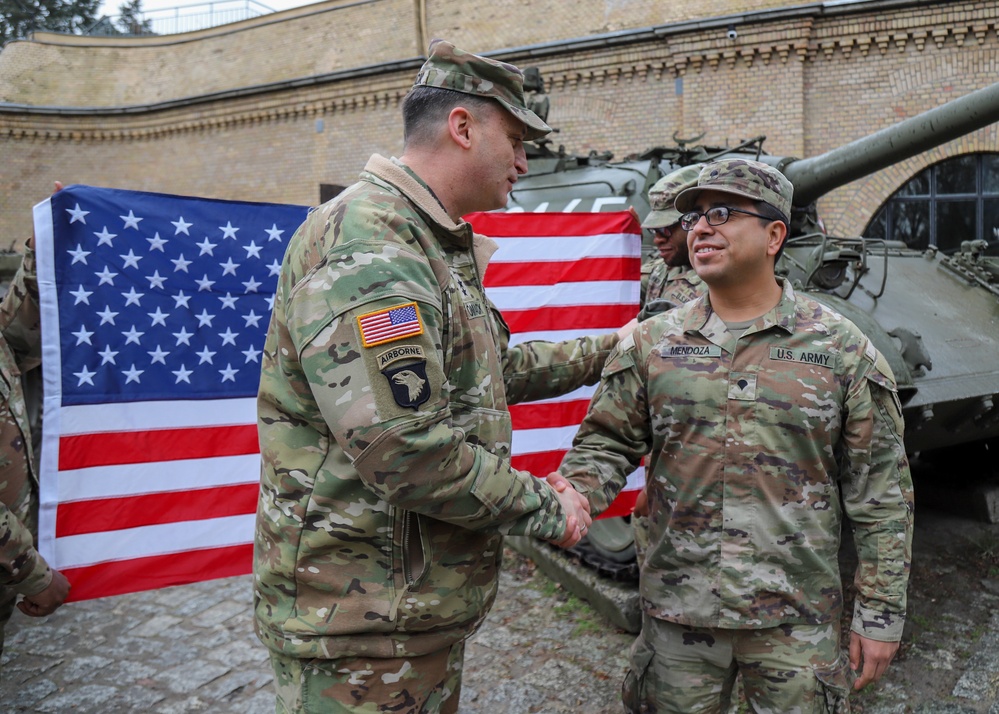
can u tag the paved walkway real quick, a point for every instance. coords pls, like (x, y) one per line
(192, 649)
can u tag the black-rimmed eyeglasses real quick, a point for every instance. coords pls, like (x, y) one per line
(715, 216)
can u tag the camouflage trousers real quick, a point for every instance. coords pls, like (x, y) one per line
(640, 529)
(791, 669)
(430, 684)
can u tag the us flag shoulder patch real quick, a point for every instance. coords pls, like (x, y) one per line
(390, 324)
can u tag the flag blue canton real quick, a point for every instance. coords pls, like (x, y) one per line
(164, 297)
(402, 314)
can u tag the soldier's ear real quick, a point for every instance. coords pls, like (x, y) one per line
(776, 234)
(459, 125)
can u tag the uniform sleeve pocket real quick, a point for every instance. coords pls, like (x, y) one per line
(887, 400)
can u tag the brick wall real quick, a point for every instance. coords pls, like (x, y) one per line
(809, 81)
(517, 23)
(72, 71)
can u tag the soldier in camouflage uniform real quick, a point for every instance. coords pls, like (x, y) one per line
(386, 482)
(669, 280)
(769, 417)
(23, 571)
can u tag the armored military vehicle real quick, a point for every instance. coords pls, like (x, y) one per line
(935, 316)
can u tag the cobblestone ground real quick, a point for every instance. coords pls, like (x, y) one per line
(192, 649)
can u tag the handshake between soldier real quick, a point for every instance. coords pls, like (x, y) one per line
(577, 509)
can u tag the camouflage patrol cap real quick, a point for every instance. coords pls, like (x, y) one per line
(448, 67)
(664, 192)
(741, 177)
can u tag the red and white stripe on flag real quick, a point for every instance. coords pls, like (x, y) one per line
(154, 494)
(557, 276)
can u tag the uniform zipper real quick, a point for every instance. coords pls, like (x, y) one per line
(407, 570)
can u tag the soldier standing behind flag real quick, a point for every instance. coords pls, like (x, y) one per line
(768, 417)
(23, 571)
(386, 483)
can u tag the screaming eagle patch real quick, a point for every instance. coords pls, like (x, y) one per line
(409, 384)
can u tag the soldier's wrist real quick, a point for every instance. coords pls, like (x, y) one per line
(877, 624)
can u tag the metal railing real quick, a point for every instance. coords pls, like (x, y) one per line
(181, 18)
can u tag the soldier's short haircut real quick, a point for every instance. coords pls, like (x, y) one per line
(425, 109)
(772, 214)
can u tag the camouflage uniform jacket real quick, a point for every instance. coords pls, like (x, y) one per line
(22, 568)
(678, 285)
(648, 267)
(758, 446)
(383, 500)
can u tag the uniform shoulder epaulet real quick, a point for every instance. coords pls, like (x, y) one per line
(870, 351)
(882, 373)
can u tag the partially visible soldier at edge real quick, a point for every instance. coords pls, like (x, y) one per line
(667, 281)
(768, 417)
(23, 571)
(386, 482)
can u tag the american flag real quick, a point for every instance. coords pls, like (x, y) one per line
(154, 313)
(389, 324)
(557, 276)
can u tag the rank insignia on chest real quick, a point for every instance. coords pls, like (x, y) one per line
(742, 387)
(390, 324)
(409, 384)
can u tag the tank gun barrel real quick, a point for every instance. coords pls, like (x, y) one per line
(818, 175)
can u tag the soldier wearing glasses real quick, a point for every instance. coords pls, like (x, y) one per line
(768, 417)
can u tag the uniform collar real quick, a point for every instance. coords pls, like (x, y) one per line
(410, 185)
(783, 314)
(681, 271)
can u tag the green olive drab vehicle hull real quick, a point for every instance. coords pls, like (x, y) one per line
(934, 316)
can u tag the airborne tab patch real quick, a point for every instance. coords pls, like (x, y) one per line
(783, 354)
(390, 324)
(397, 353)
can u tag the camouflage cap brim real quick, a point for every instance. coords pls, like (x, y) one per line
(448, 67)
(663, 193)
(661, 219)
(749, 179)
(686, 200)
(536, 128)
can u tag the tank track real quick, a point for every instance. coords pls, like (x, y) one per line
(590, 558)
